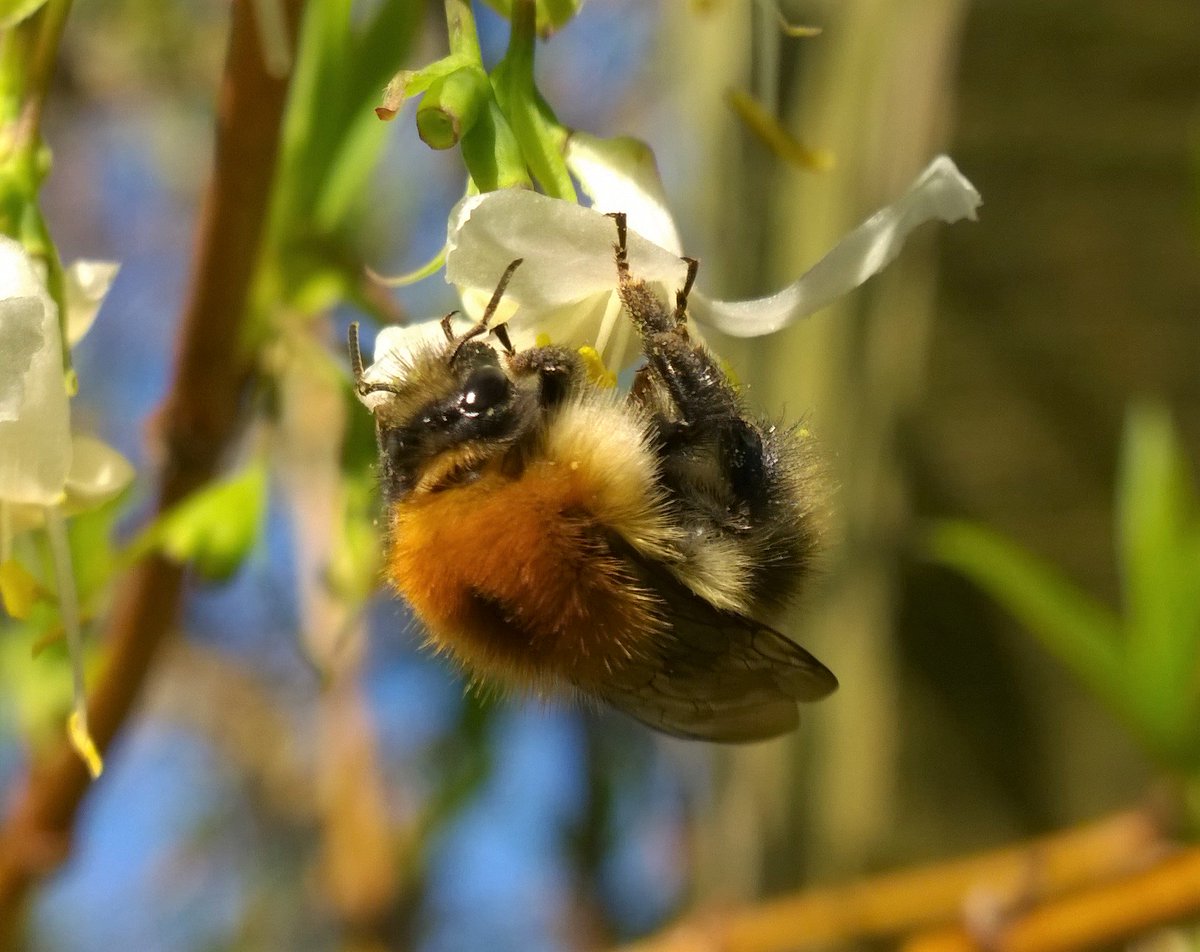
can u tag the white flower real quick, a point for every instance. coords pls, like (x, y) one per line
(566, 286)
(40, 463)
(35, 443)
(45, 472)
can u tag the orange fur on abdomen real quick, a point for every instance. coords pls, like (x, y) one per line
(514, 576)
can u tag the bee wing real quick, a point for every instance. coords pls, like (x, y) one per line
(716, 675)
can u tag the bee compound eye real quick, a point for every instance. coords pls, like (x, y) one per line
(485, 388)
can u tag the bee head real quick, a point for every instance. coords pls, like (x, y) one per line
(442, 411)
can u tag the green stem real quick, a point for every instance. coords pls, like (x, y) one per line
(68, 613)
(537, 130)
(460, 24)
(30, 55)
(47, 26)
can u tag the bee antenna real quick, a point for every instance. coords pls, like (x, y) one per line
(356, 366)
(488, 313)
(494, 303)
(356, 361)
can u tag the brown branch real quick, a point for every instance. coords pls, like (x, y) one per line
(199, 420)
(902, 902)
(1167, 893)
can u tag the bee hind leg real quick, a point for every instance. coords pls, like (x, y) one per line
(681, 296)
(642, 305)
(701, 406)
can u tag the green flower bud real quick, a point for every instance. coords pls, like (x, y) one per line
(451, 107)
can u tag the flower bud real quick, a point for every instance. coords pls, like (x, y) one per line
(451, 106)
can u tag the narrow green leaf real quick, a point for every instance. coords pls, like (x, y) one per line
(1156, 516)
(1077, 630)
(332, 137)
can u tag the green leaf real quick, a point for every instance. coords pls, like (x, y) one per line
(215, 529)
(1156, 514)
(33, 683)
(1077, 630)
(332, 141)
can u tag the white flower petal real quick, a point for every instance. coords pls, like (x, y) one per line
(97, 473)
(939, 192)
(24, 517)
(22, 300)
(621, 175)
(20, 338)
(87, 282)
(476, 300)
(394, 350)
(567, 251)
(35, 446)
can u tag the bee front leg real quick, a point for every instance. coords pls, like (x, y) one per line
(559, 371)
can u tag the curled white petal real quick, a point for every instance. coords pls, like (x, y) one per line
(97, 473)
(566, 284)
(567, 251)
(621, 175)
(87, 283)
(35, 441)
(940, 192)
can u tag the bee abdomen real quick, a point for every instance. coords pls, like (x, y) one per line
(516, 579)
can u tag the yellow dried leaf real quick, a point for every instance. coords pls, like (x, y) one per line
(18, 589)
(85, 747)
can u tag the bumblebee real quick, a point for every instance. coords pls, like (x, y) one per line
(551, 534)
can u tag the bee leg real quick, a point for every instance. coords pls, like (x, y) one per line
(559, 370)
(697, 385)
(681, 295)
(708, 411)
(643, 305)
